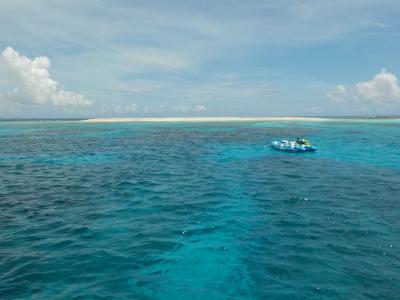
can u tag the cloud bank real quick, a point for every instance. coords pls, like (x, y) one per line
(31, 82)
(383, 88)
(144, 110)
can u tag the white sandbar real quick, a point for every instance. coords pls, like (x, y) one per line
(206, 119)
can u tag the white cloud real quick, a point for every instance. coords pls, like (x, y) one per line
(181, 108)
(125, 108)
(189, 108)
(31, 82)
(340, 93)
(153, 108)
(383, 88)
(199, 108)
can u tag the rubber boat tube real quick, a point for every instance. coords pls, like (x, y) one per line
(290, 146)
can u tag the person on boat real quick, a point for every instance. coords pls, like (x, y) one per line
(303, 142)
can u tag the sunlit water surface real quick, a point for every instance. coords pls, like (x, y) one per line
(199, 211)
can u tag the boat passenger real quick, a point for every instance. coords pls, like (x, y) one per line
(300, 141)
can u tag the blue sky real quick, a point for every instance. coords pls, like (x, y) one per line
(198, 58)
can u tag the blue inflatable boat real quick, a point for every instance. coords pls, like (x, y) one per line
(293, 146)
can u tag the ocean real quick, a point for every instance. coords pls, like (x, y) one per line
(199, 211)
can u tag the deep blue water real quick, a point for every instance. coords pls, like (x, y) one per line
(199, 211)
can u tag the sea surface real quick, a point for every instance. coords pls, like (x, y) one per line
(199, 211)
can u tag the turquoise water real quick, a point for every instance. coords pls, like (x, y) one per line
(199, 211)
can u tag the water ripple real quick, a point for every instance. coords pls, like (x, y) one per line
(197, 211)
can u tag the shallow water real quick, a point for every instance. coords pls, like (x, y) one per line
(199, 211)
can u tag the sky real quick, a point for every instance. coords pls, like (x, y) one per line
(120, 58)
